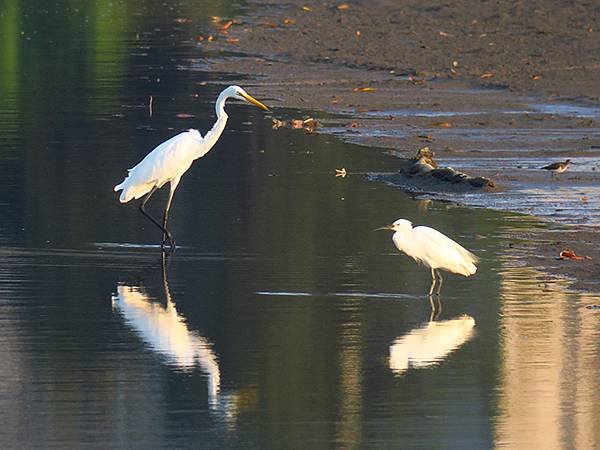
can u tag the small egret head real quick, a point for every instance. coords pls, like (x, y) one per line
(240, 94)
(401, 225)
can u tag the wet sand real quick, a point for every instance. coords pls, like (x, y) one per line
(495, 90)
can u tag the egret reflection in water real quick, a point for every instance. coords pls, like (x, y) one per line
(165, 331)
(430, 344)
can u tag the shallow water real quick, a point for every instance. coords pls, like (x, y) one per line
(277, 321)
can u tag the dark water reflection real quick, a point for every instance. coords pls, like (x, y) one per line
(281, 310)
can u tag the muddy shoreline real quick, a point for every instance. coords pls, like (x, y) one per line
(474, 81)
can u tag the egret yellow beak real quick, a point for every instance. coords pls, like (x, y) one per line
(255, 102)
(387, 227)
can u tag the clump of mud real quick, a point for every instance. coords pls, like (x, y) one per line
(422, 174)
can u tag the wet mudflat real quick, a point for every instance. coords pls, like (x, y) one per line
(490, 93)
(282, 320)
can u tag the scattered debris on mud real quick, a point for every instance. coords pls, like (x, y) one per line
(570, 254)
(309, 125)
(422, 174)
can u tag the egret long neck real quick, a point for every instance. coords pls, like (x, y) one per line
(215, 132)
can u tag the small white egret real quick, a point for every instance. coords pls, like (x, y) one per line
(432, 249)
(430, 344)
(171, 159)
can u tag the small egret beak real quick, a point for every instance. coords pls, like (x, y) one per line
(255, 102)
(387, 227)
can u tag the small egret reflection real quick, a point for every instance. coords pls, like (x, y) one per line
(430, 344)
(432, 249)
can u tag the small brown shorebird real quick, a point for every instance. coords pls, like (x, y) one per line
(558, 167)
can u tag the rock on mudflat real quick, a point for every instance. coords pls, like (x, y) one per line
(422, 174)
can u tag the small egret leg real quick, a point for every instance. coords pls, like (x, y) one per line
(436, 308)
(440, 281)
(433, 279)
(147, 214)
(432, 315)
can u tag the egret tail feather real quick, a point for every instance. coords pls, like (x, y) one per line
(132, 192)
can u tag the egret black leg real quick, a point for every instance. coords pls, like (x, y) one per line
(167, 237)
(152, 219)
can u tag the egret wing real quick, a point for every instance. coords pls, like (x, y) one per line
(439, 251)
(167, 161)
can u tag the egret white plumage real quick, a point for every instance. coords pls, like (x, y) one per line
(171, 159)
(164, 329)
(432, 249)
(430, 344)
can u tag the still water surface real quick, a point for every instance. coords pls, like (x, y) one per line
(282, 321)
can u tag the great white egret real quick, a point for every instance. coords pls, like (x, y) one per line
(558, 167)
(171, 159)
(432, 249)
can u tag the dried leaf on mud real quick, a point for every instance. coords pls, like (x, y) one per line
(442, 124)
(570, 254)
(226, 25)
(267, 24)
(343, 6)
(487, 75)
(289, 21)
(364, 89)
(310, 125)
(416, 81)
(278, 123)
